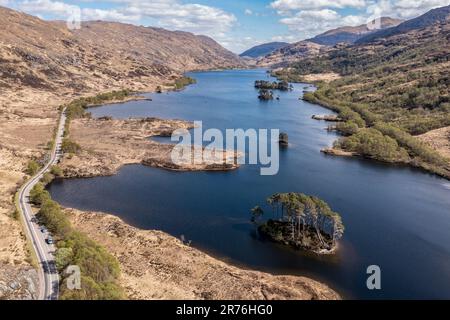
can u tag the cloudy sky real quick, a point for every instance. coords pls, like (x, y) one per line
(236, 24)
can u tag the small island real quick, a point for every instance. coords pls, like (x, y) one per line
(301, 221)
(265, 95)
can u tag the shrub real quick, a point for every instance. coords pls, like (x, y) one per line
(347, 128)
(56, 171)
(183, 82)
(32, 168)
(47, 178)
(38, 194)
(372, 143)
(54, 219)
(69, 146)
(63, 258)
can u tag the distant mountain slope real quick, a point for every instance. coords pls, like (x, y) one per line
(320, 43)
(351, 34)
(46, 55)
(263, 49)
(291, 53)
(439, 15)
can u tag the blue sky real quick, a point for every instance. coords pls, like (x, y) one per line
(237, 25)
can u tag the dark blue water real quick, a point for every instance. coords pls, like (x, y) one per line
(395, 217)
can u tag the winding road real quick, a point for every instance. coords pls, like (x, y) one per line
(48, 275)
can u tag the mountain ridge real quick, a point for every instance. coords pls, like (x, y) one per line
(433, 16)
(350, 34)
(320, 43)
(263, 49)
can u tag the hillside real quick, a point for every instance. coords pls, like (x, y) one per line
(390, 90)
(291, 53)
(263, 49)
(46, 55)
(319, 44)
(351, 34)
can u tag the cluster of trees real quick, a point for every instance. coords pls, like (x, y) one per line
(182, 82)
(371, 143)
(301, 220)
(77, 108)
(69, 146)
(32, 167)
(38, 195)
(99, 269)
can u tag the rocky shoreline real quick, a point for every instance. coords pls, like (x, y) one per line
(108, 144)
(156, 265)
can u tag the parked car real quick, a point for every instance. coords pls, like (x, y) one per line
(49, 240)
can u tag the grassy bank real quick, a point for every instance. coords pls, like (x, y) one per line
(183, 82)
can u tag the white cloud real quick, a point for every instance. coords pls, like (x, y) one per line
(313, 22)
(170, 14)
(173, 14)
(404, 8)
(291, 5)
(248, 12)
(54, 8)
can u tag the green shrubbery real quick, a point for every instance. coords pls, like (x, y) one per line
(47, 178)
(372, 143)
(32, 168)
(69, 146)
(38, 194)
(99, 269)
(77, 108)
(183, 82)
(347, 128)
(415, 147)
(56, 171)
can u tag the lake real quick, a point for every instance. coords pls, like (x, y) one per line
(395, 217)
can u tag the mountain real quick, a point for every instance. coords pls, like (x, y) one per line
(47, 55)
(319, 44)
(351, 34)
(438, 15)
(263, 49)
